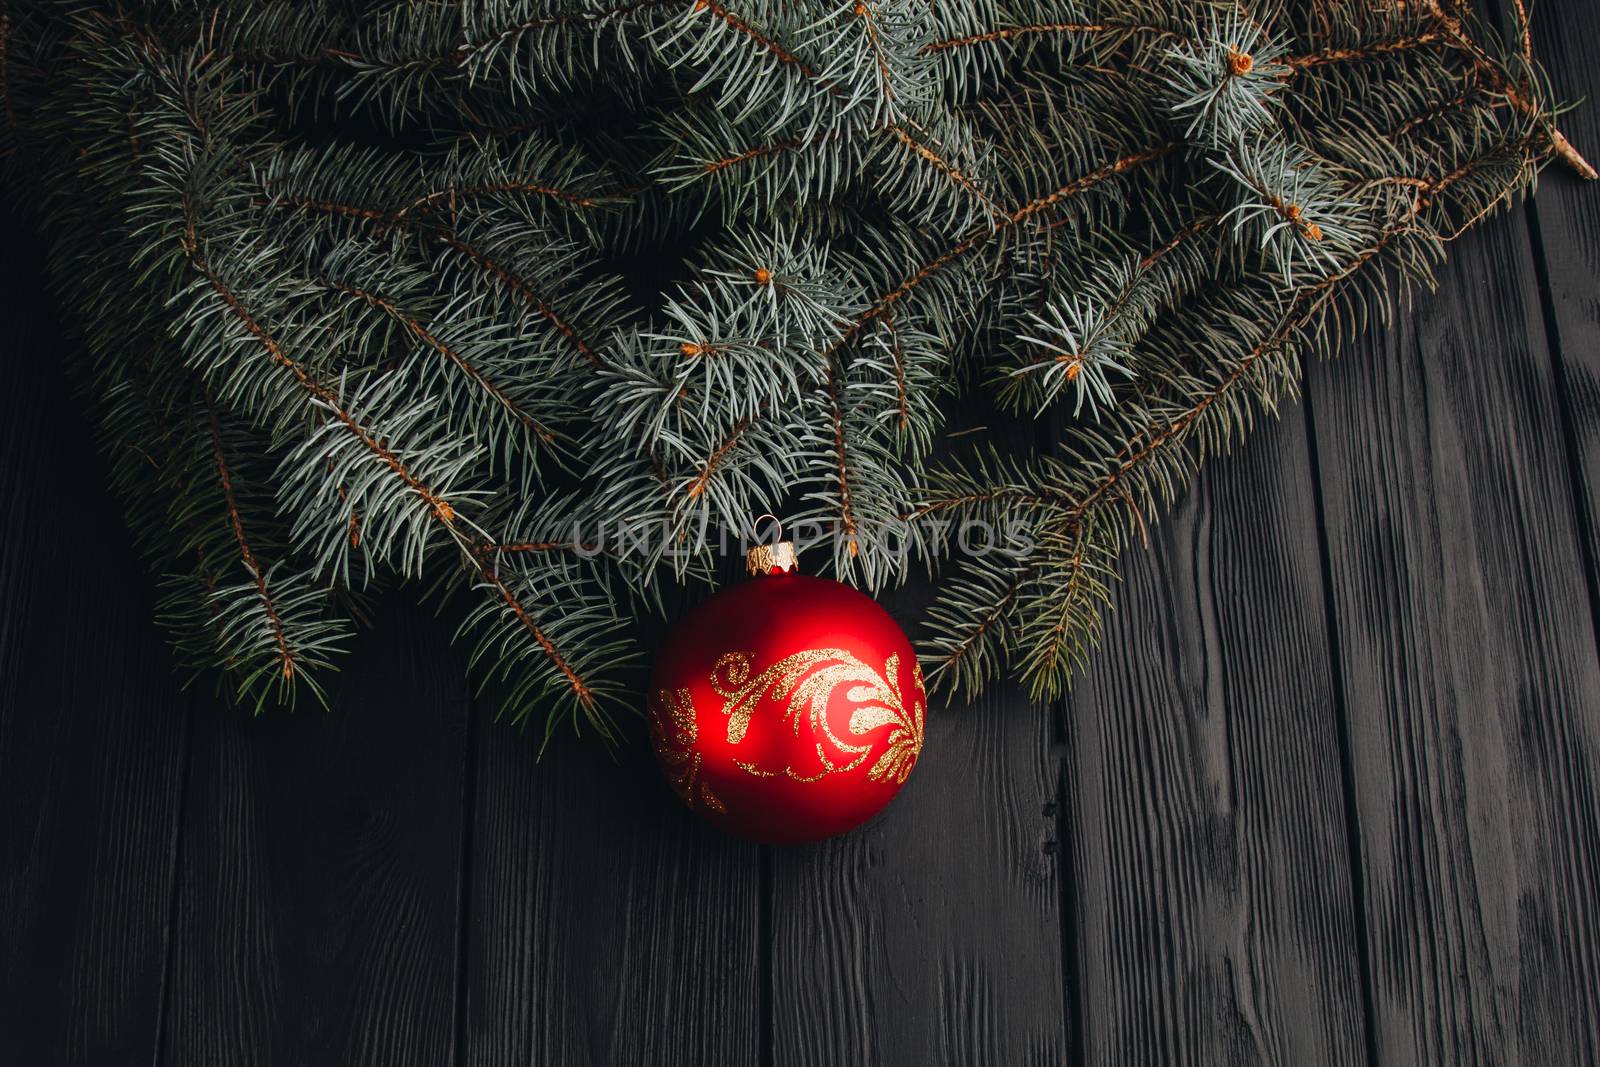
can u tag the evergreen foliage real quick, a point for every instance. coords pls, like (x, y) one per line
(461, 293)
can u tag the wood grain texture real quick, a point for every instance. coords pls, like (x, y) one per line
(1566, 228)
(1204, 803)
(609, 925)
(401, 881)
(932, 935)
(1468, 662)
(91, 730)
(318, 909)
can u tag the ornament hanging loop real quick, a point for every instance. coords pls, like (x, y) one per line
(777, 527)
(778, 557)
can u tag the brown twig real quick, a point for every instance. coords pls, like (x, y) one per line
(863, 11)
(719, 453)
(1526, 26)
(579, 687)
(425, 203)
(1134, 454)
(1088, 181)
(424, 335)
(499, 271)
(1010, 33)
(753, 153)
(1500, 82)
(766, 43)
(526, 291)
(438, 507)
(546, 546)
(945, 167)
(225, 476)
(1189, 232)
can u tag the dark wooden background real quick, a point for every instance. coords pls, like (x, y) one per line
(1328, 794)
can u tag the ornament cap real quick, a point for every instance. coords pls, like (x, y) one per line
(776, 558)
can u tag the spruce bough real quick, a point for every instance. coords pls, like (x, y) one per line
(525, 301)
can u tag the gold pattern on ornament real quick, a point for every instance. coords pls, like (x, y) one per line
(805, 683)
(673, 728)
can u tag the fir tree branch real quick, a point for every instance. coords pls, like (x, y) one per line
(847, 514)
(267, 51)
(437, 505)
(1061, 631)
(897, 351)
(1434, 112)
(957, 654)
(945, 167)
(872, 206)
(237, 525)
(1078, 186)
(1451, 32)
(474, 549)
(755, 36)
(1013, 495)
(1014, 33)
(863, 11)
(580, 688)
(976, 240)
(897, 130)
(927, 270)
(426, 202)
(503, 274)
(1496, 76)
(786, 145)
(527, 293)
(1374, 50)
(1136, 453)
(422, 334)
(585, 19)
(718, 454)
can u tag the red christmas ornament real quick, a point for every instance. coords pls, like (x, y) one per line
(786, 708)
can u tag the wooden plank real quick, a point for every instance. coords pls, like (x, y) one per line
(608, 924)
(1467, 652)
(92, 727)
(932, 935)
(1566, 230)
(1205, 810)
(318, 906)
